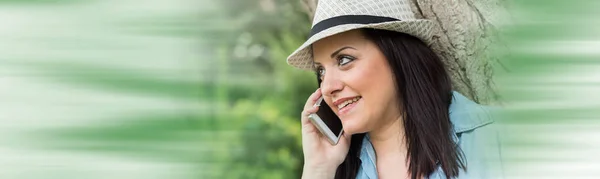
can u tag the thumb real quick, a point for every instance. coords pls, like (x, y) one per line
(346, 138)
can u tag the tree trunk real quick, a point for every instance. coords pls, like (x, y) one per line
(466, 31)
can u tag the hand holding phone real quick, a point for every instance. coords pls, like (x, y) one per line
(323, 143)
(327, 122)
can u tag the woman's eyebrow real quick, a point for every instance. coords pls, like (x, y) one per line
(333, 54)
(339, 50)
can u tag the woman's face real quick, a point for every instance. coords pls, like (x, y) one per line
(357, 82)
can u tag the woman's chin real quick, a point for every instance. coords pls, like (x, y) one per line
(351, 128)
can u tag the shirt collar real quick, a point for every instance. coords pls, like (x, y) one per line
(467, 115)
(368, 160)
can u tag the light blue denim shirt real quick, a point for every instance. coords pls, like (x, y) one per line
(475, 135)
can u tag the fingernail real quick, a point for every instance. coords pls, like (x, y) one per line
(318, 103)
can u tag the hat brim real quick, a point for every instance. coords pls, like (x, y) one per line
(420, 28)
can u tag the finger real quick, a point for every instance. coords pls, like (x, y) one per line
(348, 137)
(313, 98)
(312, 109)
(309, 128)
(307, 125)
(345, 139)
(307, 112)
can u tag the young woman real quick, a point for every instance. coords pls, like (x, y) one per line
(403, 119)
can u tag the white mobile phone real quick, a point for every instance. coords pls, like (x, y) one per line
(327, 122)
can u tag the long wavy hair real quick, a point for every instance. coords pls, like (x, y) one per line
(424, 91)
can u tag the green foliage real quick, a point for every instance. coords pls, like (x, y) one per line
(269, 145)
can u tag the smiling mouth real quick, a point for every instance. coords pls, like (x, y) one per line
(348, 102)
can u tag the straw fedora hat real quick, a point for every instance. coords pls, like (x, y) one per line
(337, 16)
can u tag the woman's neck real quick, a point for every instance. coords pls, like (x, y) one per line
(389, 138)
(390, 150)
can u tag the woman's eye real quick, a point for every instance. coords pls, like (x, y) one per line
(321, 71)
(342, 60)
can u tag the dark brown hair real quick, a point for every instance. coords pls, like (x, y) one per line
(424, 91)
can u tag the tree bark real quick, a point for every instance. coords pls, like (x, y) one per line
(466, 34)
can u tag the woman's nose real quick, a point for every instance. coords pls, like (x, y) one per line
(331, 84)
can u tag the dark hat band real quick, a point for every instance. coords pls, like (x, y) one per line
(348, 19)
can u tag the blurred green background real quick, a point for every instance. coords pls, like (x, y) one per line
(200, 89)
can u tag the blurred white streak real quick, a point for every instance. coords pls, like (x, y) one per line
(98, 34)
(572, 47)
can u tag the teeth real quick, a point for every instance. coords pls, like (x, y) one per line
(347, 102)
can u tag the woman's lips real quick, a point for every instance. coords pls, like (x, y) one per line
(347, 109)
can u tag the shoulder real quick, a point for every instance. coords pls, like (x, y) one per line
(472, 121)
(482, 152)
(467, 115)
(478, 137)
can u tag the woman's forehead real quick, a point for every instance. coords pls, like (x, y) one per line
(323, 48)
